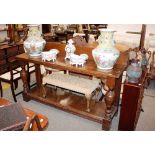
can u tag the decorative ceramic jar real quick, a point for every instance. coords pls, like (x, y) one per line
(70, 48)
(105, 54)
(134, 72)
(34, 44)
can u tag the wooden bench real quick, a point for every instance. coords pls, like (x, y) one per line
(87, 87)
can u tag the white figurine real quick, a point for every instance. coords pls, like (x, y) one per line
(70, 48)
(78, 60)
(50, 55)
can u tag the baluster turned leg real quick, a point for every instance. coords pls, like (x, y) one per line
(25, 83)
(38, 75)
(109, 101)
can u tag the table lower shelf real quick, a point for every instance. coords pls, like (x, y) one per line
(71, 102)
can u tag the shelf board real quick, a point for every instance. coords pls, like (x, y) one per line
(71, 102)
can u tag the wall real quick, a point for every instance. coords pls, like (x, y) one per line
(3, 34)
(121, 28)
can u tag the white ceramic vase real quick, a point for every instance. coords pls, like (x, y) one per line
(34, 44)
(105, 54)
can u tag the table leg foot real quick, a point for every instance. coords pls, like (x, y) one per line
(26, 98)
(106, 125)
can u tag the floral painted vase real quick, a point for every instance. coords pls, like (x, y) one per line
(34, 44)
(105, 54)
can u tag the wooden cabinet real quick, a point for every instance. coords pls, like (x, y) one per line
(131, 104)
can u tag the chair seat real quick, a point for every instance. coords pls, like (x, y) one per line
(32, 68)
(7, 75)
(77, 84)
(31, 64)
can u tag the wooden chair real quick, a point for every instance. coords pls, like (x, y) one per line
(13, 76)
(33, 123)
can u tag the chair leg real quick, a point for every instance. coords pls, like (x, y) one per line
(13, 92)
(16, 84)
(29, 80)
(1, 89)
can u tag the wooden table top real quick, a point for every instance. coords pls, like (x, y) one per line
(89, 68)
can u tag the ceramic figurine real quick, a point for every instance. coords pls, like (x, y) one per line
(50, 55)
(134, 72)
(105, 54)
(78, 60)
(70, 48)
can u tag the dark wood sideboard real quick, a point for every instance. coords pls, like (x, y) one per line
(131, 105)
(103, 111)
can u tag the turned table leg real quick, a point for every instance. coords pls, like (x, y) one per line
(38, 75)
(109, 101)
(25, 83)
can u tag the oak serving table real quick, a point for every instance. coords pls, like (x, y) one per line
(102, 111)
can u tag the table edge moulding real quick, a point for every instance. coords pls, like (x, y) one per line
(104, 110)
